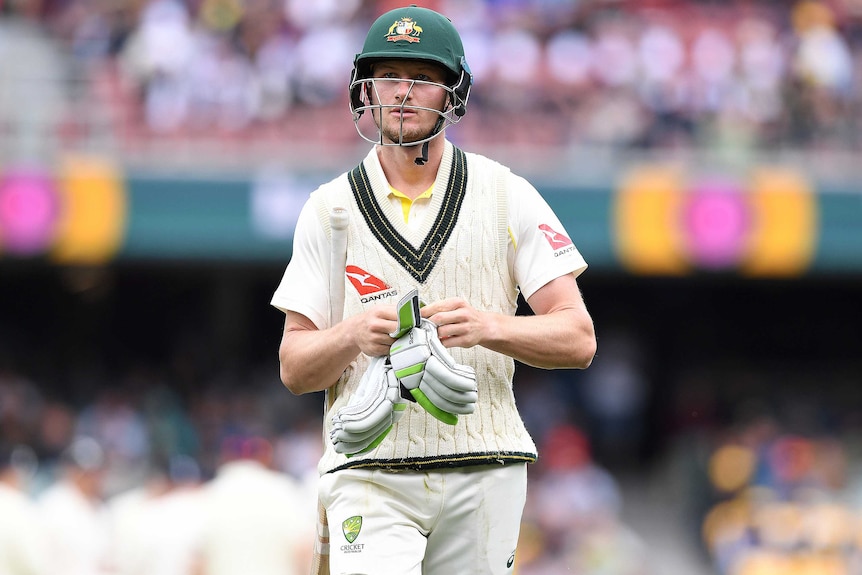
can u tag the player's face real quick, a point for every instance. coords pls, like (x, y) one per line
(404, 88)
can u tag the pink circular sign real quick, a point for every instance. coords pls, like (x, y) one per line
(716, 222)
(29, 207)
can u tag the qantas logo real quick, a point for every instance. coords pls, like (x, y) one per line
(556, 239)
(364, 282)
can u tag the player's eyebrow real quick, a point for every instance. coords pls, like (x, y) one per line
(413, 67)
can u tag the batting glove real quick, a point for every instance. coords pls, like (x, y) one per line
(368, 417)
(427, 370)
(408, 313)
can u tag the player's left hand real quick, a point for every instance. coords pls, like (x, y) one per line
(458, 323)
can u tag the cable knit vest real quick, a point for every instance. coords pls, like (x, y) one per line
(460, 250)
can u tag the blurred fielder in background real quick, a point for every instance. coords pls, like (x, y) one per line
(424, 469)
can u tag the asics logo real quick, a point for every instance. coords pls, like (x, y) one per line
(555, 239)
(364, 282)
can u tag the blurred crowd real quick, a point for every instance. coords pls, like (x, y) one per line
(135, 481)
(737, 75)
(141, 463)
(760, 471)
(769, 468)
(782, 501)
(136, 476)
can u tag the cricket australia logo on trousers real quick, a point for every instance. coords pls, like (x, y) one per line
(351, 527)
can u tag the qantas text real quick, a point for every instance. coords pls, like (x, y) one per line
(379, 296)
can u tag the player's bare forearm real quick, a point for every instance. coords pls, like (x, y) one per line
(559, 335)
(313, 360)
(562, 339)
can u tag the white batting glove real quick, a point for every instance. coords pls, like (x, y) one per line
(425, 368)
(368, 417)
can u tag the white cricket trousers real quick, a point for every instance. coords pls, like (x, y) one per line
(461, 521)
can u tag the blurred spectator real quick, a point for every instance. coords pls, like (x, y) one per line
(20, 404)
(157, 57)
(572, 519)
(309, 15)
(125, 513)
(73, 512)
(257, 520)
(167, 421)
(32, 100)
(823, 56)
(575, 490)
(23, 545)
(298, 451)
(120, 431)
(615, 391)
(171, 524)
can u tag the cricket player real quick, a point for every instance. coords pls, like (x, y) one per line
(424, 468)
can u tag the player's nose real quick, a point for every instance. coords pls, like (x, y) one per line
(403, 89)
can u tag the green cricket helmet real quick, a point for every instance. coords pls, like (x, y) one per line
(411, 33)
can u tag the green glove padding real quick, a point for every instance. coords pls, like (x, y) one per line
(444, 388)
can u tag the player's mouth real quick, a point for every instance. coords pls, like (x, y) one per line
(400, 113)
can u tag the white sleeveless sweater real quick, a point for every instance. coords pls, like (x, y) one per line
(459, 253)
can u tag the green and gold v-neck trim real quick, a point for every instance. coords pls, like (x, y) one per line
(418, 262)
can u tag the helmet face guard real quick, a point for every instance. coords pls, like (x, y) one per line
(365, 97)
(410, 33)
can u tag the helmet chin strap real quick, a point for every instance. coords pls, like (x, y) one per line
(423, 158)
(420, 160)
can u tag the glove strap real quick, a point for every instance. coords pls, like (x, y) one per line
(408, 313)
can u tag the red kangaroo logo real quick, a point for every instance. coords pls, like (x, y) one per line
(364, 282)
(556, 239)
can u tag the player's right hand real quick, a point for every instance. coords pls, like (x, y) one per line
(370, 330)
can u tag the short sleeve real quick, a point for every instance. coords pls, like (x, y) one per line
(541, 249)
(304, 287)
